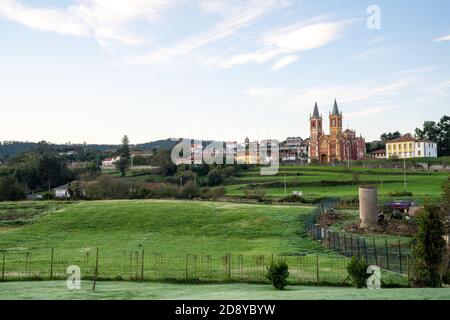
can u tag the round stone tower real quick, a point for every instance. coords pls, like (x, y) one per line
(368, 209)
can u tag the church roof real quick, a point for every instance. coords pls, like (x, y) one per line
(335, 108)
(316, 111)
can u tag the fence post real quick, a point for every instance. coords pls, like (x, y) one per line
(359, 249)
(365, 250)
(229, 266)
(317, 269)
(338, 242)
(51, 264)
(408, 270)
(400, 256)
(142, 266)
(345, 245)
(375, 251)
(96, 271)
(3, 265)
(351, 245)
(387, 253)
(186, 275)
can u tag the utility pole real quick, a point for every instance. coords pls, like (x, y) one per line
(404, 171)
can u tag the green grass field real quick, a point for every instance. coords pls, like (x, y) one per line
(45, 290)
(313, 180)
(181, 240)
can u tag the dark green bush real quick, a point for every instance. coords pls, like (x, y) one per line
(10, 189)
(357, 270)
(189, 191)
(277, 273)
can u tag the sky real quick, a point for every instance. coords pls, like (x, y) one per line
(95, 70)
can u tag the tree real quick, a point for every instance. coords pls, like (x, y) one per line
(390, 136)
(428, 252)
(125, 157)
(10, 189)
(163, 161)
(437, 132)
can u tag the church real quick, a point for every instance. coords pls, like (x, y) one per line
(338, 145)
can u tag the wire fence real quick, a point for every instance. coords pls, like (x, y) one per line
(151, 266)
(392, 256)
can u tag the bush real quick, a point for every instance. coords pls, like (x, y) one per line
(189, 191)
(257, 193)
(48, 196)
(293, 199)
(108, 188)
(277, 273)
(357, 270)
(212, 193)
(215, 177)
(10, 189)
(429, 250)
(400, 194)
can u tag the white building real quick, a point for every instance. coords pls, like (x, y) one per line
(62, 191)
(110, 162)
(409, 147)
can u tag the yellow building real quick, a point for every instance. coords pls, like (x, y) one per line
(408, 147)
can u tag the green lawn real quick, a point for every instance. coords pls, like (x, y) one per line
(150, 290)
(180, 239)
(308, 178)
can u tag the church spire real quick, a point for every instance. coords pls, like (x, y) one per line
(316, 112)
(335, 108)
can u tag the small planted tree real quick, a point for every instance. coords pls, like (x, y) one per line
(277, 273)
(428, 252)
(357, 271)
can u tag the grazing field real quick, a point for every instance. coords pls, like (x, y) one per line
(45, 290)
(326, 181)
(166, 240)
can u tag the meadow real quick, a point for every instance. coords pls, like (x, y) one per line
(236, 291)
(187, 241)
(327, 181)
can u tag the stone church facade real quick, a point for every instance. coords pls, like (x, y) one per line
(337, 146)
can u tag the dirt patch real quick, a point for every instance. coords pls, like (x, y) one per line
(391, 227)
(329, 218)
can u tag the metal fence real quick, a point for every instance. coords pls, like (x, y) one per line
(150, 266)
(392, 256)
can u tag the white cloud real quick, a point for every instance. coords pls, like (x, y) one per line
(235, 19)
(302, 100)
(106, 20)
(288, 40)
(284, 62)
(370, 111)
(444, 38)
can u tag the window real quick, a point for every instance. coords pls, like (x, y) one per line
(418, 152)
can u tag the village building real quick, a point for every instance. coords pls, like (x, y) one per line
(339, 145)
(410, 147)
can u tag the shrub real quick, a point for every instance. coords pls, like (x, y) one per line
(428, 252)
(357, 270)
(48, 196)
(400, 194)
(293, 199)
(277, 273)
(215, 177)
(107, 187)
(189, 191)
(167, 191)
(212, 193)
(257, 193)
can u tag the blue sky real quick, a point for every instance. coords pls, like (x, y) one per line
(94, 70)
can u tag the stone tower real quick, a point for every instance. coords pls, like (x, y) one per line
(315, 132)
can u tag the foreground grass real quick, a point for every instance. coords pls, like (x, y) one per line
(182, 240)
(163, 291)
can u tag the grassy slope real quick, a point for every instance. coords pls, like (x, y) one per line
(174, 227)
(422, 184)
(131, 290)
